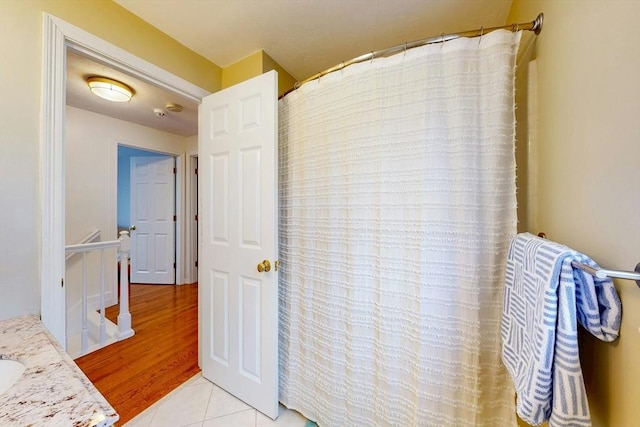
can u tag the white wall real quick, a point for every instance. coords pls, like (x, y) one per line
(588, 168)
(191, 143)
(91, 167)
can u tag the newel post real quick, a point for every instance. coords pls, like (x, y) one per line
(124, 318)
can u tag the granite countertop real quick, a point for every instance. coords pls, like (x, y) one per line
(53, 391)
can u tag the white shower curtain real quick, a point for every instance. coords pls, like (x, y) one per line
(397, 204)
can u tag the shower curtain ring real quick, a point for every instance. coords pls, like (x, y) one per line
(373, 55)
(405, 49)
(441, 40)
(481, 34)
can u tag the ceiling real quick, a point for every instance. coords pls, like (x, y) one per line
(303, 36)
(140, 109)
(308, 36)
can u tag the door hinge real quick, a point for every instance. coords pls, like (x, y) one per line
(174, 171)
(174, 218)
(62, 282)
(196, 217)
(196, 171)
(196, 264)
(174, 265)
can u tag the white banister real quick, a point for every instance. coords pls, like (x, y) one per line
(124, 318)
(84, 337)
(122, 245)
(91, 237)
(88, 247)
(103, 324)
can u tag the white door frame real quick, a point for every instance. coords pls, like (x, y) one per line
(182, 200)
(58, 36)
(191, 273)
(191, 248)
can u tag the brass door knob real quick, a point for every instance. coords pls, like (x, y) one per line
(264, 266)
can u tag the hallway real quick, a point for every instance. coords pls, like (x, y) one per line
(135, 373)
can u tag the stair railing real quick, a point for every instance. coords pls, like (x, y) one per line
(124, 318)
(123, 247)
(91, 237)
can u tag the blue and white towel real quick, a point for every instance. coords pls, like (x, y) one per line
(545, 297)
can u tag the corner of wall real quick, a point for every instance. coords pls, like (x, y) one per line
(253, 65)
(285, 80)
(246, 68)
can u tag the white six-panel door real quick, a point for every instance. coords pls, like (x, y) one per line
(237, 170)
(152, 214)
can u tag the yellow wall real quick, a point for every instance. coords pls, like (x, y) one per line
(246, 68)
(254, 65)
(118, 26)
(285, 80)
(20, 92)
(588, 169)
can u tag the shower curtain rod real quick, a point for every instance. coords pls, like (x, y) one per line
(535, 26)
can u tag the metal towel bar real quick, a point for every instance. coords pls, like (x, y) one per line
(614, 274)
(603, 272)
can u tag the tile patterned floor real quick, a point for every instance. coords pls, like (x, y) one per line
(199, 403)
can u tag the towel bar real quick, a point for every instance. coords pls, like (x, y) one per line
(603, 272)
(614, 274)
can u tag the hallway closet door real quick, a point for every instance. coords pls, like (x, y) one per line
(153, 216)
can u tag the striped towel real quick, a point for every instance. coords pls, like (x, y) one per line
(544, 299)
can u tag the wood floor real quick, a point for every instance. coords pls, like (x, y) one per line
(134, 373)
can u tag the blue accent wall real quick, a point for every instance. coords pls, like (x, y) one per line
(124, 181)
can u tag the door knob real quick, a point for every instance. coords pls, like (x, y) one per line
(264, 266)
(132, 228)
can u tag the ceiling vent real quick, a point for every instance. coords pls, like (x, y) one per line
(174, 108)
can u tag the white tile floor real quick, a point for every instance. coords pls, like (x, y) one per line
(199, 403)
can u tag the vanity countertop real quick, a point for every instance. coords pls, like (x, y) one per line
(53, 391)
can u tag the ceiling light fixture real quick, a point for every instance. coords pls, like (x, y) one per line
(110, 89)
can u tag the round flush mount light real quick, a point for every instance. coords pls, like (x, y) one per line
(109, 89)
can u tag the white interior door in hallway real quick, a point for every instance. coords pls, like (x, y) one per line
(238, 227)
(153, 216)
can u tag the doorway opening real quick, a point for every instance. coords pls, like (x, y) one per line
(59, 37)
